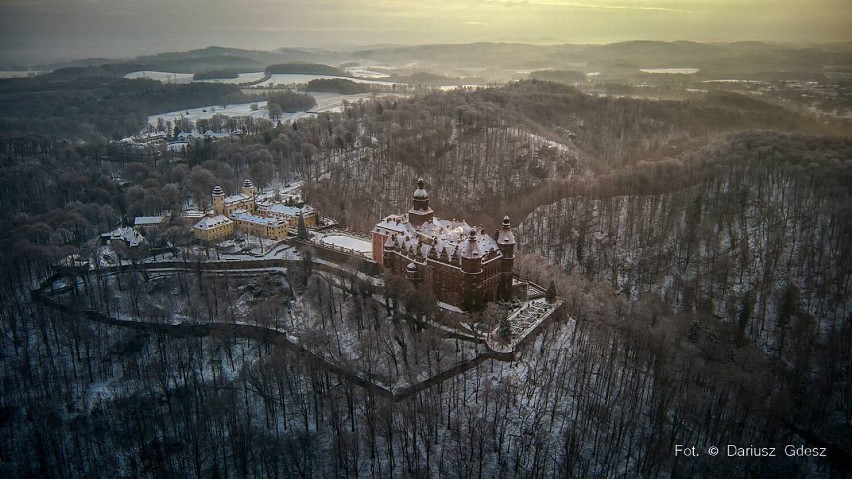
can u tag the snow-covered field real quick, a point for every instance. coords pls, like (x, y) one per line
(348, 242)
(456, 87)
(206, 112)
(17, 73)
(326, 102)
(284, 79)
(277, 79)
(165, 77)
(679, 71)
(365, 73)
(241, 78)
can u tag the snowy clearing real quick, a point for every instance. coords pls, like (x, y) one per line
(206, 112)
(348, 242)
(671, 71)
(365, 73)
(165, 77)
(17, 73)
(241, 78)
(283, 79)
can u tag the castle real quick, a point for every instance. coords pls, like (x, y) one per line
(461, 265)
(244, 212)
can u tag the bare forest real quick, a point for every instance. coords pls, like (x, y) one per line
(701, 248)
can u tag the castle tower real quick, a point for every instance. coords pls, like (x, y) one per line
(420, 211)
(471, 266)
(388, 252)
(218, 197)
(506, 242)
(248, 190)
(411, 273)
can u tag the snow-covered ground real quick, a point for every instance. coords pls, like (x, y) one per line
(17, 73)
(173, 77)
(456, 87)
(678, 71)
(241, 78)
(165, 77)
(366, 73)
(284, 79)
(348, 242)
(206, 112)
(326, 102)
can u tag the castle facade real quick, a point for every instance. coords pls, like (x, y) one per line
(461, 265)
(243, 212)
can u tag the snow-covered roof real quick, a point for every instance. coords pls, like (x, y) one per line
(190, 135)
(283, 209)
(126, 234)
(148, 220)
(210, 222)
(505, 235)
(395, 224)
(446, 239)
(260, 220)
(214, 134)
(193, 214)
(420, 193)
(233, 199)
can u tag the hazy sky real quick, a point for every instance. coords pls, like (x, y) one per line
(46, 30)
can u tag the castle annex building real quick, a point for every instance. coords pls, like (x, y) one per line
(461, 265)
(244, 212)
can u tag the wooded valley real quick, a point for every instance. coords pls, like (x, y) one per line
(702, 249)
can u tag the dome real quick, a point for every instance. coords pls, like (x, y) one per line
(420, 193)
(411, 267)
(506, 222)
(217, 191)
(247, 183)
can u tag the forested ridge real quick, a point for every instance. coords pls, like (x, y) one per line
(97, 104)
(703, 259)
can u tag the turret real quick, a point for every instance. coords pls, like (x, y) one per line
(248, 188)
(388, 252)
(506, 242)
(420, 211)
(506, 239)
(218, 197)
(471, 266)
(411, 272)
(471, 258)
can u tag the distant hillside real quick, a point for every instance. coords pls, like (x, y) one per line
(216, 74)
(745, 60)
(560, 76)
(305, 69)
(712, 58)
(426, 78)
(205, 59)
(96, 103)
(337, 85)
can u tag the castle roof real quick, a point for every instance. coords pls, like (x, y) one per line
(210, 222)
(420, 193)
(283, 209)
(448, 237)
(247, 183)
(234, 199)
(126, 234)
(505, 235)
(217, 191)
(259, 220)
